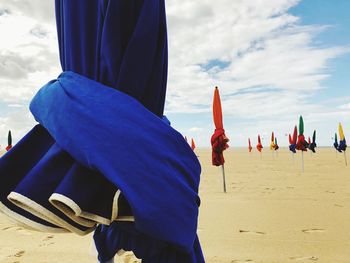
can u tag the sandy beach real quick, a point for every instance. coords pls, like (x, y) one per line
(271, 213)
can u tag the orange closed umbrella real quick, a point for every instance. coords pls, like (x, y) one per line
(193, 145)
(259, 146)
(218, 139)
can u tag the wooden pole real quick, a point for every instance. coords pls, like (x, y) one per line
(223, 177)
(302, 161)
(346, 159)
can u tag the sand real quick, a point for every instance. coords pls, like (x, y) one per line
(271, 213)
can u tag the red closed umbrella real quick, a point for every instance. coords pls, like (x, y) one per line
(218, 139)
(193, 145)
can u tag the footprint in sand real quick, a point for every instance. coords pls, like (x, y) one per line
(252, 232)
(18, 229)
(312, 258)
(242, 261)
(331, 192)
(338, 205)
(48, 238)
(313, 230)
(15, 228)
(46, 244)
(18, 254)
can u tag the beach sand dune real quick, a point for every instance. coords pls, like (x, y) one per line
(271, 213)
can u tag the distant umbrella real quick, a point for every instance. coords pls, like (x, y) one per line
(293, 140)
(218, 139)
(272, 143)
(193, 145)
(335, 144)
(302, 145)
(313, 145)
(9, 141)
(259, 146)
(342, 142)
(276, 144)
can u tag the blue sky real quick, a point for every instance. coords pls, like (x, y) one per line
(333, 17)
(272, 60)
(336, 15)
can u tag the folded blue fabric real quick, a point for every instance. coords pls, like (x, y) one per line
(292, 148)
(123, 235)
(145, 158)
(342, 146)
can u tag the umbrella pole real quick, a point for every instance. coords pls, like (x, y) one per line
(223, 177)
(302, 161)
(293, 158)
(346, 159)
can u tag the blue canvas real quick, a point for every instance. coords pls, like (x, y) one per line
(103, 155)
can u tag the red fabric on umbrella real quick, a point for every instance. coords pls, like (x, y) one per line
(301, 143)
(193, 145)
(259, 146)
(295, 135)
(249, 146)
(218, 139)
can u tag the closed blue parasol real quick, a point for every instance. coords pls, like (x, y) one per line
(102, 153)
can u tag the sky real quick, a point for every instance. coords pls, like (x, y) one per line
(272, 61)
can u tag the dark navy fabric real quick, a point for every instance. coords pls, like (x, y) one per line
(19, 161)
(336, 144)
(121, 235)
(342, 146)
(119, 43)
(292, 148)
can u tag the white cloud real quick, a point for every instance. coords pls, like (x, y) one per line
(262, 58)
(345, 106)
(195, 129)
(258, 44)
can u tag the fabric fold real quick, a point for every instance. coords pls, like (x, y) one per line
(75, 105)
(51, 192)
